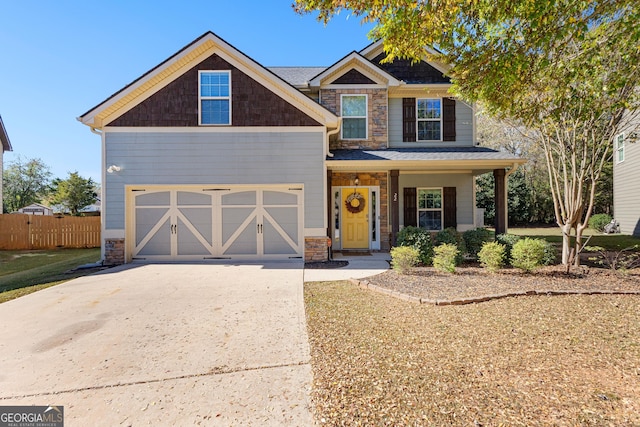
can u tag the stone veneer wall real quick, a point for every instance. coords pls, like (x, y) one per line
(316, 249)
(377, 106)
(114, 251)
(371, 179)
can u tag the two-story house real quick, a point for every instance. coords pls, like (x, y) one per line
(626, 191)
(211, 155)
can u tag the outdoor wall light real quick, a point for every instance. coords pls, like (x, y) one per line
(356, 181)
(113, 168)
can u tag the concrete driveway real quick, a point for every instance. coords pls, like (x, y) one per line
(163, 344)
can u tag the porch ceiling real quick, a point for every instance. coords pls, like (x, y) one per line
(474, 160)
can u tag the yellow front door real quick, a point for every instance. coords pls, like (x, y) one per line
(355, 218)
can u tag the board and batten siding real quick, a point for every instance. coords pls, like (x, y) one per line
(626, 189)
(464, 127)
(464, 193)
(214, 158)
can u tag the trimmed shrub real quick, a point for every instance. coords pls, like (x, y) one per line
(598, 221)
(527, 254)
(508, 240)
(550, 253)
(475, 239)
(451, 236)
(492, 256)
(418, 238)
(445, 257)
(404, 258)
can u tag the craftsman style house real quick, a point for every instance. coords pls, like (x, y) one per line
(211, 155)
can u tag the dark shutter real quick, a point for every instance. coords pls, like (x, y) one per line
(448, 119)
(450, 216)
(408, 120)
(410, 207)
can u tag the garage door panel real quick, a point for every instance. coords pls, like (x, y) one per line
(275, 243)
(232, 220)
(188, 242)
(286, 219)
(201, 220)
(159, 243)
(158, 198)
(279, 198)
(246, 242)
(193, 198)
(240, 198)
(146, 220)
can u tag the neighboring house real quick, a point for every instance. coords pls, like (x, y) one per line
(6, 146)
(626, 182)
(211, 155)
(36, 209)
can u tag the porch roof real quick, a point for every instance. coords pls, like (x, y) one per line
(471, 159)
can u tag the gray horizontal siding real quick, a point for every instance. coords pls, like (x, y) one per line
(464, 127)
(464, 191)
(626, 190)
(215, 158)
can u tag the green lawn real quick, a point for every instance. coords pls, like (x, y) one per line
(23, 272)
(613, 242)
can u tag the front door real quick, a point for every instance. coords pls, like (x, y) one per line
(355, 218)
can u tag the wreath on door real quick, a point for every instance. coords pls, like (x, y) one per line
(355, 203)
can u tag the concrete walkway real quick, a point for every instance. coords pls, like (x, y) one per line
(167, 344)
(359, 267)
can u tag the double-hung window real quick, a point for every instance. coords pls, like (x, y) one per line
(429, 119)
(354, 116)
(430, 208)
(215, 97)
(619, 147)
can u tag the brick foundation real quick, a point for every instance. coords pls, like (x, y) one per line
(113, 251)
(316, 249)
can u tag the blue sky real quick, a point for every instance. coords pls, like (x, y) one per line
(59, 59)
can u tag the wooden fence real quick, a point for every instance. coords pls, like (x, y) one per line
(23, 232)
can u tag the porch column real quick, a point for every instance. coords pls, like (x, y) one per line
(329, 211)
(500, 200)
(394, 202)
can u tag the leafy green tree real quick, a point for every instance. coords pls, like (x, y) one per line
(24, 182)
(73, 193)
(566, 70)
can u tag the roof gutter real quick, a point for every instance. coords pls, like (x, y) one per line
(333, 132)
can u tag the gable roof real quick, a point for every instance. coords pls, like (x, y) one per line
(356, 61)
(376, 48)
(6, 144)
(187, 57)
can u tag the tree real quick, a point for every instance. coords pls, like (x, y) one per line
(73, 193)
(24, 182)
(567, 70)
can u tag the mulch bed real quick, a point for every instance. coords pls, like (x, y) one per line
(316, 265)
(472, 281)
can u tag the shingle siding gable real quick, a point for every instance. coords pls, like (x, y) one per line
(353, 77)
(176, 105)
(419, 73)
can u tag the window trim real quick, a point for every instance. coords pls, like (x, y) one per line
(439, 120)
(441, 210)
(619, 146)
(201, 98)
(365, 117)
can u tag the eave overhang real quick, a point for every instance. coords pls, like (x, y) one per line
(4, 137)
(354, 61)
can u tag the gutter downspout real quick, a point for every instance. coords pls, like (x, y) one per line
(506, 195)
(333, 132)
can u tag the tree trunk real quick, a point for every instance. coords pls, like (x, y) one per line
(566, 242)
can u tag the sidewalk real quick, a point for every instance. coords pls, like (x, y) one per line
(359, 267)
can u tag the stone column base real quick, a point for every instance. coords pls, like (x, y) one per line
(113, 251)
(316, 248)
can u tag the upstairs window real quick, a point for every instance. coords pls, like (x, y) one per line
(354, 116)
(619, 147)
(429, 119)
(215, 97)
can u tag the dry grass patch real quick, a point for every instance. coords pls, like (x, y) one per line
(532, 361)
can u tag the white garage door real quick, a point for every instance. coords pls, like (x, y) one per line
(209, 223)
